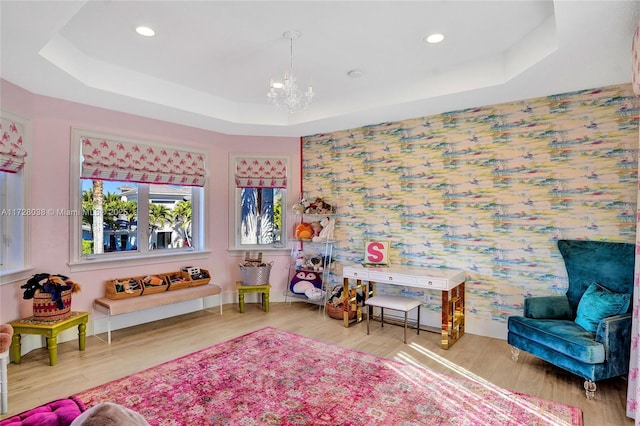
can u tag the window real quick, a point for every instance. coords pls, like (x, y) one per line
(14, 211)
(135, 200)
(258, 208)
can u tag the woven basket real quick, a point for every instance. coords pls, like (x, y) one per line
(45, 309)
(337, 312)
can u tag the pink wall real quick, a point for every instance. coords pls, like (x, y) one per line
(49, 158)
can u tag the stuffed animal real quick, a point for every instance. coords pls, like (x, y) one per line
(328, 226)
(304, 231)
(318, 206)
(48, 283)
(305, 280)
(317, 228)
(6, 333)
(314, 293)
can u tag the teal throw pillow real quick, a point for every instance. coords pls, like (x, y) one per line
(597, 303)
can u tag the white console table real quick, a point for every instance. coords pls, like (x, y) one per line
(449, 281)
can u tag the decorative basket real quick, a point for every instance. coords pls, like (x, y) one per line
(255, 275)
(337, 312)
(45, 309)
(155, 283)
(123, 288)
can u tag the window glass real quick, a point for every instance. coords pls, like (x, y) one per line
(261, 216)
(110, 217)
(13, 221)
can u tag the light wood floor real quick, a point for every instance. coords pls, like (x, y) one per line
(34, 382)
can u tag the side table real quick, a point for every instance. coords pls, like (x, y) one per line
(264, 289)
(49, 329)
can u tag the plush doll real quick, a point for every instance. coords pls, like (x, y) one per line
(304, 231)
(328, 225)
(317, 228)
(6, 333)
(314, 293)
(305, 280)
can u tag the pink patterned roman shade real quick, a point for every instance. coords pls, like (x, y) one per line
(12, 153)
(261, 172)
(132, 162)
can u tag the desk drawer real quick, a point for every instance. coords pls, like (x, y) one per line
(391, 278)
(355, 274)
(431, 283)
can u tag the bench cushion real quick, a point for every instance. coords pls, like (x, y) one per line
(397, 303)
(123, 306)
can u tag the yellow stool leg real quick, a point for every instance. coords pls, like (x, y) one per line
(82, 336)
(241, 301)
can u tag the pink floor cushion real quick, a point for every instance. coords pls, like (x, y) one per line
(60, 412)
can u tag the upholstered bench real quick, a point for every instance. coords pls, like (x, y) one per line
(113, 307)
(395, 303)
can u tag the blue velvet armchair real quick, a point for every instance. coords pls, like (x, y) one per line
(587, 331)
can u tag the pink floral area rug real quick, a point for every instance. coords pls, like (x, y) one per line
(273, 377)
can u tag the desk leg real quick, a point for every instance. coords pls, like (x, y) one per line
(241, 301)
(82, 336)
(265, 301)
(453, 315)
(52, 346)
(446, 320)
(16, 348)
(345, 300)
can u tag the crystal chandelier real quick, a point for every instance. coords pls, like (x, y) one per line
(287, 96)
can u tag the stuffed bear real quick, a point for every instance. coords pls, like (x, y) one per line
(6, 333)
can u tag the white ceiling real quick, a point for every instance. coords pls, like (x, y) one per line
(210, 63)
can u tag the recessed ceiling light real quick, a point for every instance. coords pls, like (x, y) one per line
(434, 38)
(145, 31)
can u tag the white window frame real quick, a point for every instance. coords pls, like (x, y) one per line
(235, 211)
(15, 214)
(142, 256)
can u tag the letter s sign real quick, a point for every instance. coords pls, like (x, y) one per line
(376, 252)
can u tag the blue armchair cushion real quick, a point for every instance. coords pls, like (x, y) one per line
(598, 303)
(557, 336)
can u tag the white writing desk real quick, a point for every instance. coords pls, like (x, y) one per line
(449, 281)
